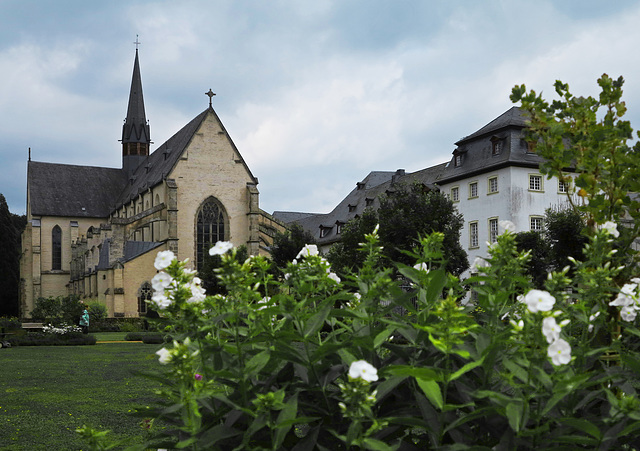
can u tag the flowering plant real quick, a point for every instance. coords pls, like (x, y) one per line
(316, 362)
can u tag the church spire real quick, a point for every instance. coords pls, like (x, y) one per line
(135, 131)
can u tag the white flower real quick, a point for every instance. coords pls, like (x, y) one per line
(333, 276)
(220, 248)
(164, 356)
(161, 281)
(628, 314)
(264, 302)
(551, 329)
(163, 259)
(160, 300)
(611, 228)
(636, 280)
(421, 267)
(560, 352)
(506, 226)
(308, 250)
(629, 289)
(364, 370)
(539, 301)
(622, 300)
(197, 293)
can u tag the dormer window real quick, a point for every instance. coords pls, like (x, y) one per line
(496, 145)
(352, 208)
(339, 227)
(457, 160)
(324, 231)
(368, 201)
(360, 185)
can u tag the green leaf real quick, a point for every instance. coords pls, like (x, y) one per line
(514, 415)
(382, 337)
(431, 390)
(408, 370)
(316, 321)
(257, 362)
(516, 370)
(388, 385)
(376, 445)
(584, 426)
(284, 424)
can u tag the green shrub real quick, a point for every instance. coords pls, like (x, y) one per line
(97, 310)
(133, 336)
(45, 339)
(153, 338)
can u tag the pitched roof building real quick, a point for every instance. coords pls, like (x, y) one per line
(493, 175)
(95, 231)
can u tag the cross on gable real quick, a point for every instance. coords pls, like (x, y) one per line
(210, 94)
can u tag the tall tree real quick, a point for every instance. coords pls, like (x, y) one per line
(286, 245)
(10, 262)
(405, 215)
(345, 256)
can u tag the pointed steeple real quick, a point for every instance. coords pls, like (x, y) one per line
(135, 131)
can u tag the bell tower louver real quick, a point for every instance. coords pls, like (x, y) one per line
(135, 131)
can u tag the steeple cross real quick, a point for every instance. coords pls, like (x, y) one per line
(137, 43)
(210, 94)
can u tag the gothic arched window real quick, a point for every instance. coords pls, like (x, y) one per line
(144, 294)
(210, 227)
(56, 248)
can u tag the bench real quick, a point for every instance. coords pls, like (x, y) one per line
(32, 326)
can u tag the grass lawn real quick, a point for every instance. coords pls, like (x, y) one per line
(46, 392)
(109, 336)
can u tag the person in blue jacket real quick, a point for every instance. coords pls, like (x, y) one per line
(84, 321)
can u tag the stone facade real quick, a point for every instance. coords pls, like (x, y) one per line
(95, 232)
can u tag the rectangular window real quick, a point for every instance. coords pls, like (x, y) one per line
(473, 234)
(496, 147)
(562, 187)
(536, 223)
(493, 185)
(493, 230)
(457, 160)
(473, 189)
(455, 194)
(535, 182)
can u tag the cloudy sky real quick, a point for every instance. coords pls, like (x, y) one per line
(315, 94)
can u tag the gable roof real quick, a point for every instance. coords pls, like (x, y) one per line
(70, 190)
(364, 196)
(513, 117)
(476, 149)
(157, 166)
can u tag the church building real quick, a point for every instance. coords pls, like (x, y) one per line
(94, 231)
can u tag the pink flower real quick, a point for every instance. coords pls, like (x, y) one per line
(197, 377)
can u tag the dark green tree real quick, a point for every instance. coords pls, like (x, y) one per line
(207, 274)
(538, 266)
(10, 262)
(564, 236)
(411, 212)
(404, 215)
(286, 245)
(345, 256)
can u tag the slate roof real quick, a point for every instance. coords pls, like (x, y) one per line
(476, 149)
(364, 196)
(133, 249)
(135, 128)
(70, 190)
